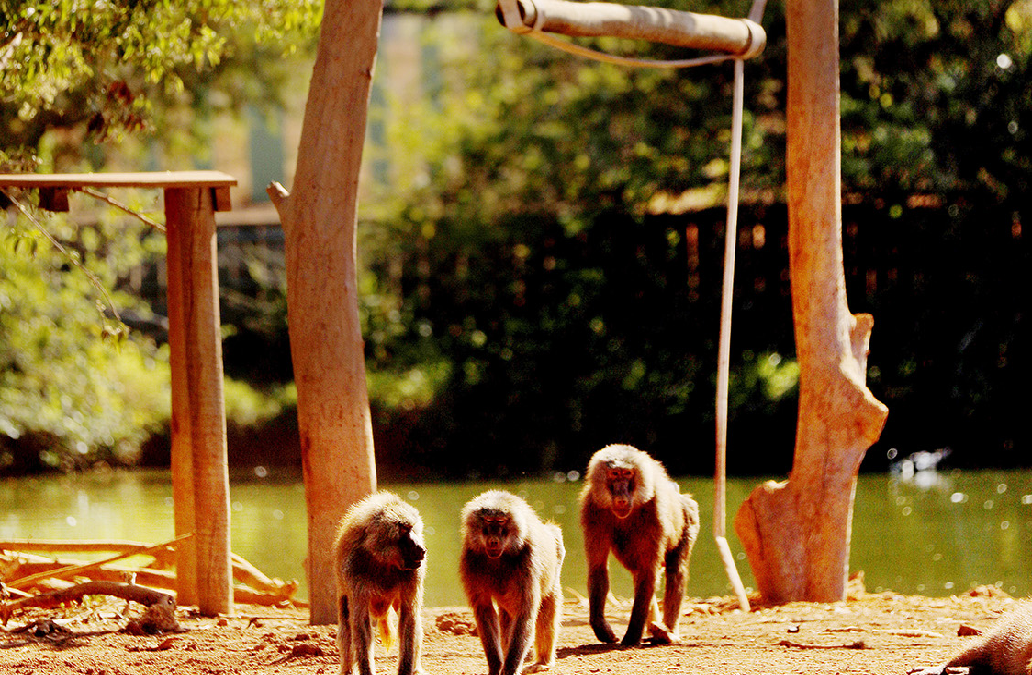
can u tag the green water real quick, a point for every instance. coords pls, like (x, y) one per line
(961, 530)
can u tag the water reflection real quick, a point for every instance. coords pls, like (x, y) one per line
(938, 535)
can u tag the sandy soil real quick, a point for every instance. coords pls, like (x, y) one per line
(882, 633)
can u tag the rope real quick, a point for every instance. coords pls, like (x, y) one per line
(629, 61)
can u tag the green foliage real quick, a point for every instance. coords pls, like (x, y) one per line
(93, 399)
(936, 97)
(524, 286)
(99, 66)
(247, 406)
(516, 236)
(74, 392)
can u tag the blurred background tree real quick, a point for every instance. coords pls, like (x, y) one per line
(90, 86)
(541, 235)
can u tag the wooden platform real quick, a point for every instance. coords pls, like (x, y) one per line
(200, 468)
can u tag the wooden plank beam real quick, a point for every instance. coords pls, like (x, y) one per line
(149, 179)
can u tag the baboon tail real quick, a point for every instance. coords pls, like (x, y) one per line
(385, 628)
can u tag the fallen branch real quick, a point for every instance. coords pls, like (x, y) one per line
(247, 596)
(160, 614)
(41, 568)
(909, 633)
(859, 644)
(6, 592)
(248, 574)
(36, 567)
(77, 546)
(72, 570)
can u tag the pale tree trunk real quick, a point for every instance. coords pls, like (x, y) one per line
(320, 222)
(797, 533)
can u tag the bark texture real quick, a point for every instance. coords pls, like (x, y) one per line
(320, 220)
(796, 533)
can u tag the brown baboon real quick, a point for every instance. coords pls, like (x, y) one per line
(630, 506)
(510, 558)
(1005, 650)
(380, 566)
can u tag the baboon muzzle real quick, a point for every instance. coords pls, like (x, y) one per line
(412, 554)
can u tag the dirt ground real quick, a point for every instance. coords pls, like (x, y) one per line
(883, 633)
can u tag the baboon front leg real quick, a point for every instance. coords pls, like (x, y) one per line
(519, 641)
(657, 629)
(598, 591)
(487, 628)
(410, 639)
(644, 596)
(504, 630)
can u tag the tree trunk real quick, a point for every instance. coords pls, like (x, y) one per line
(320, 222)
(796, 533)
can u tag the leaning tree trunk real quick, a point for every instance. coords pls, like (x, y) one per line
(796, 533)
(320, 222)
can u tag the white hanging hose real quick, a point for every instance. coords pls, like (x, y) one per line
(724, 349)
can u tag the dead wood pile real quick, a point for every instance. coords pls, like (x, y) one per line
(30, 579)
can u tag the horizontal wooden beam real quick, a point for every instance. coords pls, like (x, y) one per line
(739, 37)
(54, 187)
(149, 179)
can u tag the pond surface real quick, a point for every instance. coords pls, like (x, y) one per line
(937, 535)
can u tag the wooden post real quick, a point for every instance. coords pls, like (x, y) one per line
(182, 448)
(199, 421)
(320, 220)
(797, 533)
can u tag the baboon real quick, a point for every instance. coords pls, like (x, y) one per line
(630, 506)
(510, 558)
(380, 566)
(1005, 650)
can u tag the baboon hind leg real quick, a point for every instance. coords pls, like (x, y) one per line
(657, 627)
(347, 655)
(547, 632)
(676, 580)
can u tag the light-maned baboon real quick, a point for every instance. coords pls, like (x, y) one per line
(1004, 650)
(510, 558)
(380, 566)
(630, 506)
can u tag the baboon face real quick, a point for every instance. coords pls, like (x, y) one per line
(620, 481)
(492, 531)
(495, 530)
(410, 548)
(399, 543)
